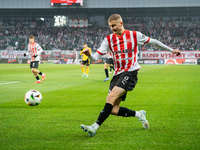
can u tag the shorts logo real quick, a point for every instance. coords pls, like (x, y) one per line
(125, 80)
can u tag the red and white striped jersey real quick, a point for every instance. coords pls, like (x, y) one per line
(124, 49)
(34, 49)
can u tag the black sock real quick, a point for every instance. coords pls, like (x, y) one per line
(112, 67)
(125, 112)
(40, 73)
(104, 113)
(106, 72)
(37, 78)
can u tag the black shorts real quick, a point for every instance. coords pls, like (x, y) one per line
(110, 61)
(85, 62)
(126, 80)
(34, 64)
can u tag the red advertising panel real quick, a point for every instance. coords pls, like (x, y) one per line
(66, 2)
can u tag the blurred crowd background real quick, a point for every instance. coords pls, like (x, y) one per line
(177, 32)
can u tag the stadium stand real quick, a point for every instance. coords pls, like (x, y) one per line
(181, 33)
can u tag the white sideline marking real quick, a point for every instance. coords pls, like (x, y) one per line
(9, 82)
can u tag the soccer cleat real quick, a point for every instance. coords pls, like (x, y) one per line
(89, 129)
(84, 75)
(43, 76)
(106, 79)
(142, 119)
(38, 81)
(110, 72)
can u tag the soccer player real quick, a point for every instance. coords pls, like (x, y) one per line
(35, 50)
(123, 45)
(109, 62)
(85, 61)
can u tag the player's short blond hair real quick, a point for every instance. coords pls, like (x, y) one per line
(114, 17)
(31, 37)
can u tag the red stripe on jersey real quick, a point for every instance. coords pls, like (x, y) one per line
(100, 53)
(135, 46)
(147, 41)
(129, 48)
(121, 43)
(114, 41)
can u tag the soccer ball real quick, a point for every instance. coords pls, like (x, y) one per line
(33, 97)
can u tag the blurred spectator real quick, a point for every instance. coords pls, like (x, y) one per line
(178, 33)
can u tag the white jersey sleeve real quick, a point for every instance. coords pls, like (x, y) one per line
(141, 38)
(160, 45)
(104, 48)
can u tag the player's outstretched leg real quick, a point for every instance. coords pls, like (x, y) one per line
(43, 76)
(142, 119)
(89, 129)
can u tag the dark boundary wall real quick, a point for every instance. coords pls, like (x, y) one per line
(46, 4)
(198, 62)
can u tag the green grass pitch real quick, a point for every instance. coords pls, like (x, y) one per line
(169, 94)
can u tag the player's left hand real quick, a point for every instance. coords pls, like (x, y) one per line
(176, 51)
(86, 52)
(35, 56)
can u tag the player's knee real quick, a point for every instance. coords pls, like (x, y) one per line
(110, 99)
(114, 111)
(33, 70)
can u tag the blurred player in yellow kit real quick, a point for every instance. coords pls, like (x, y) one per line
(85, 61)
